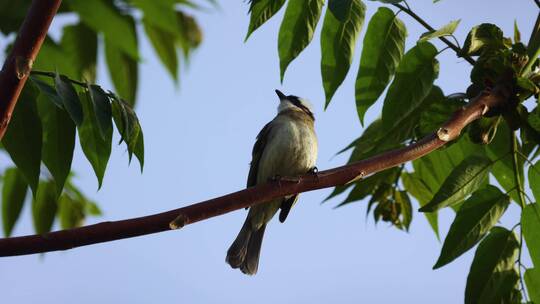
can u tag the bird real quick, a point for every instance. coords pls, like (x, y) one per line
(285, 147)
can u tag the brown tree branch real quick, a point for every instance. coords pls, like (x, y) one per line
(19, 62)
(109, 231)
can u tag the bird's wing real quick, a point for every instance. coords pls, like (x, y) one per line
(286, 206)
(256, 154)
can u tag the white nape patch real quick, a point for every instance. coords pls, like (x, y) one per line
(286, 104)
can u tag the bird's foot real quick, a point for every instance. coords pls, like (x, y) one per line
(314, 171)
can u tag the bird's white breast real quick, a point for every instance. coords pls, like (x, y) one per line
(291, 149)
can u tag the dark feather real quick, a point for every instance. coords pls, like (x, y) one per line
(286, 206)
(256, 154)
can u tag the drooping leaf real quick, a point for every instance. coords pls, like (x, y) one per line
(417, 188)
(534, 181)
(446, 30)
(532, 279)
(338, 39)
(482, 37)
(69, 98)
(23, 137)
(296, 30)
(413, 82)
(127, 123)
(261, 11)
(402, 199)
(70, 212)
(494, 256)
(381, 53)
(102, 109)
(79, 43)
(124, 71)
(191, 34)
(530, 225)
(14, 190)
(474, 219)
(58, 140)
(466, 178)
(44, 207)
(96, 148)
(103, 16)
(163, 43)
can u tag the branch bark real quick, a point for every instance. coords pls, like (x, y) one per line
(109, 231)
(18, 64)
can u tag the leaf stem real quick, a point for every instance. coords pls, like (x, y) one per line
(454, 47)
(515, 166)
(522, 284)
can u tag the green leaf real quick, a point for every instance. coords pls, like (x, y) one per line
(534, 181)
(417, 188)
(485, 36)
(48, 90)
(127, 123)
(413, 82)
(23, 137)
(69, 98)
(446, 30)
(530, 225)
(503, 169)
(381, 53)
(473, 221)
(163, 43)
(102, 109)
(44, 207)
(466, 178)
(103, 16)
(96, 148)
(191, 34)
(296, 30)
(261, 11)
(532, 279)
(338, 39)
(58, 140)
(496, 254)
(70, 212)
(123, 70)
(517, 34)
(13, 194)
(402, 198)
(79, 43)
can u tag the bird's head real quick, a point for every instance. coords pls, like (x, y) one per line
(295, 103)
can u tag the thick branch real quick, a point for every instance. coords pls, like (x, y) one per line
(109, 231)
(19, 62)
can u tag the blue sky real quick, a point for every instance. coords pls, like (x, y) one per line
(198, 142)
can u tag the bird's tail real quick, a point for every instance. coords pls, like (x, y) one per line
(246, 248)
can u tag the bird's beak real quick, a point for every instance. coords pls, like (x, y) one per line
(280, 95)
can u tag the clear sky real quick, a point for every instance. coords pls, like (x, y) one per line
(199, 137)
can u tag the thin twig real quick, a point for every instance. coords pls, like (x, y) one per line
(522, 284)
(18, 64)
(430, 28)
(109, 231)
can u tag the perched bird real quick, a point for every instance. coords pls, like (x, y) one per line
(285, 147)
